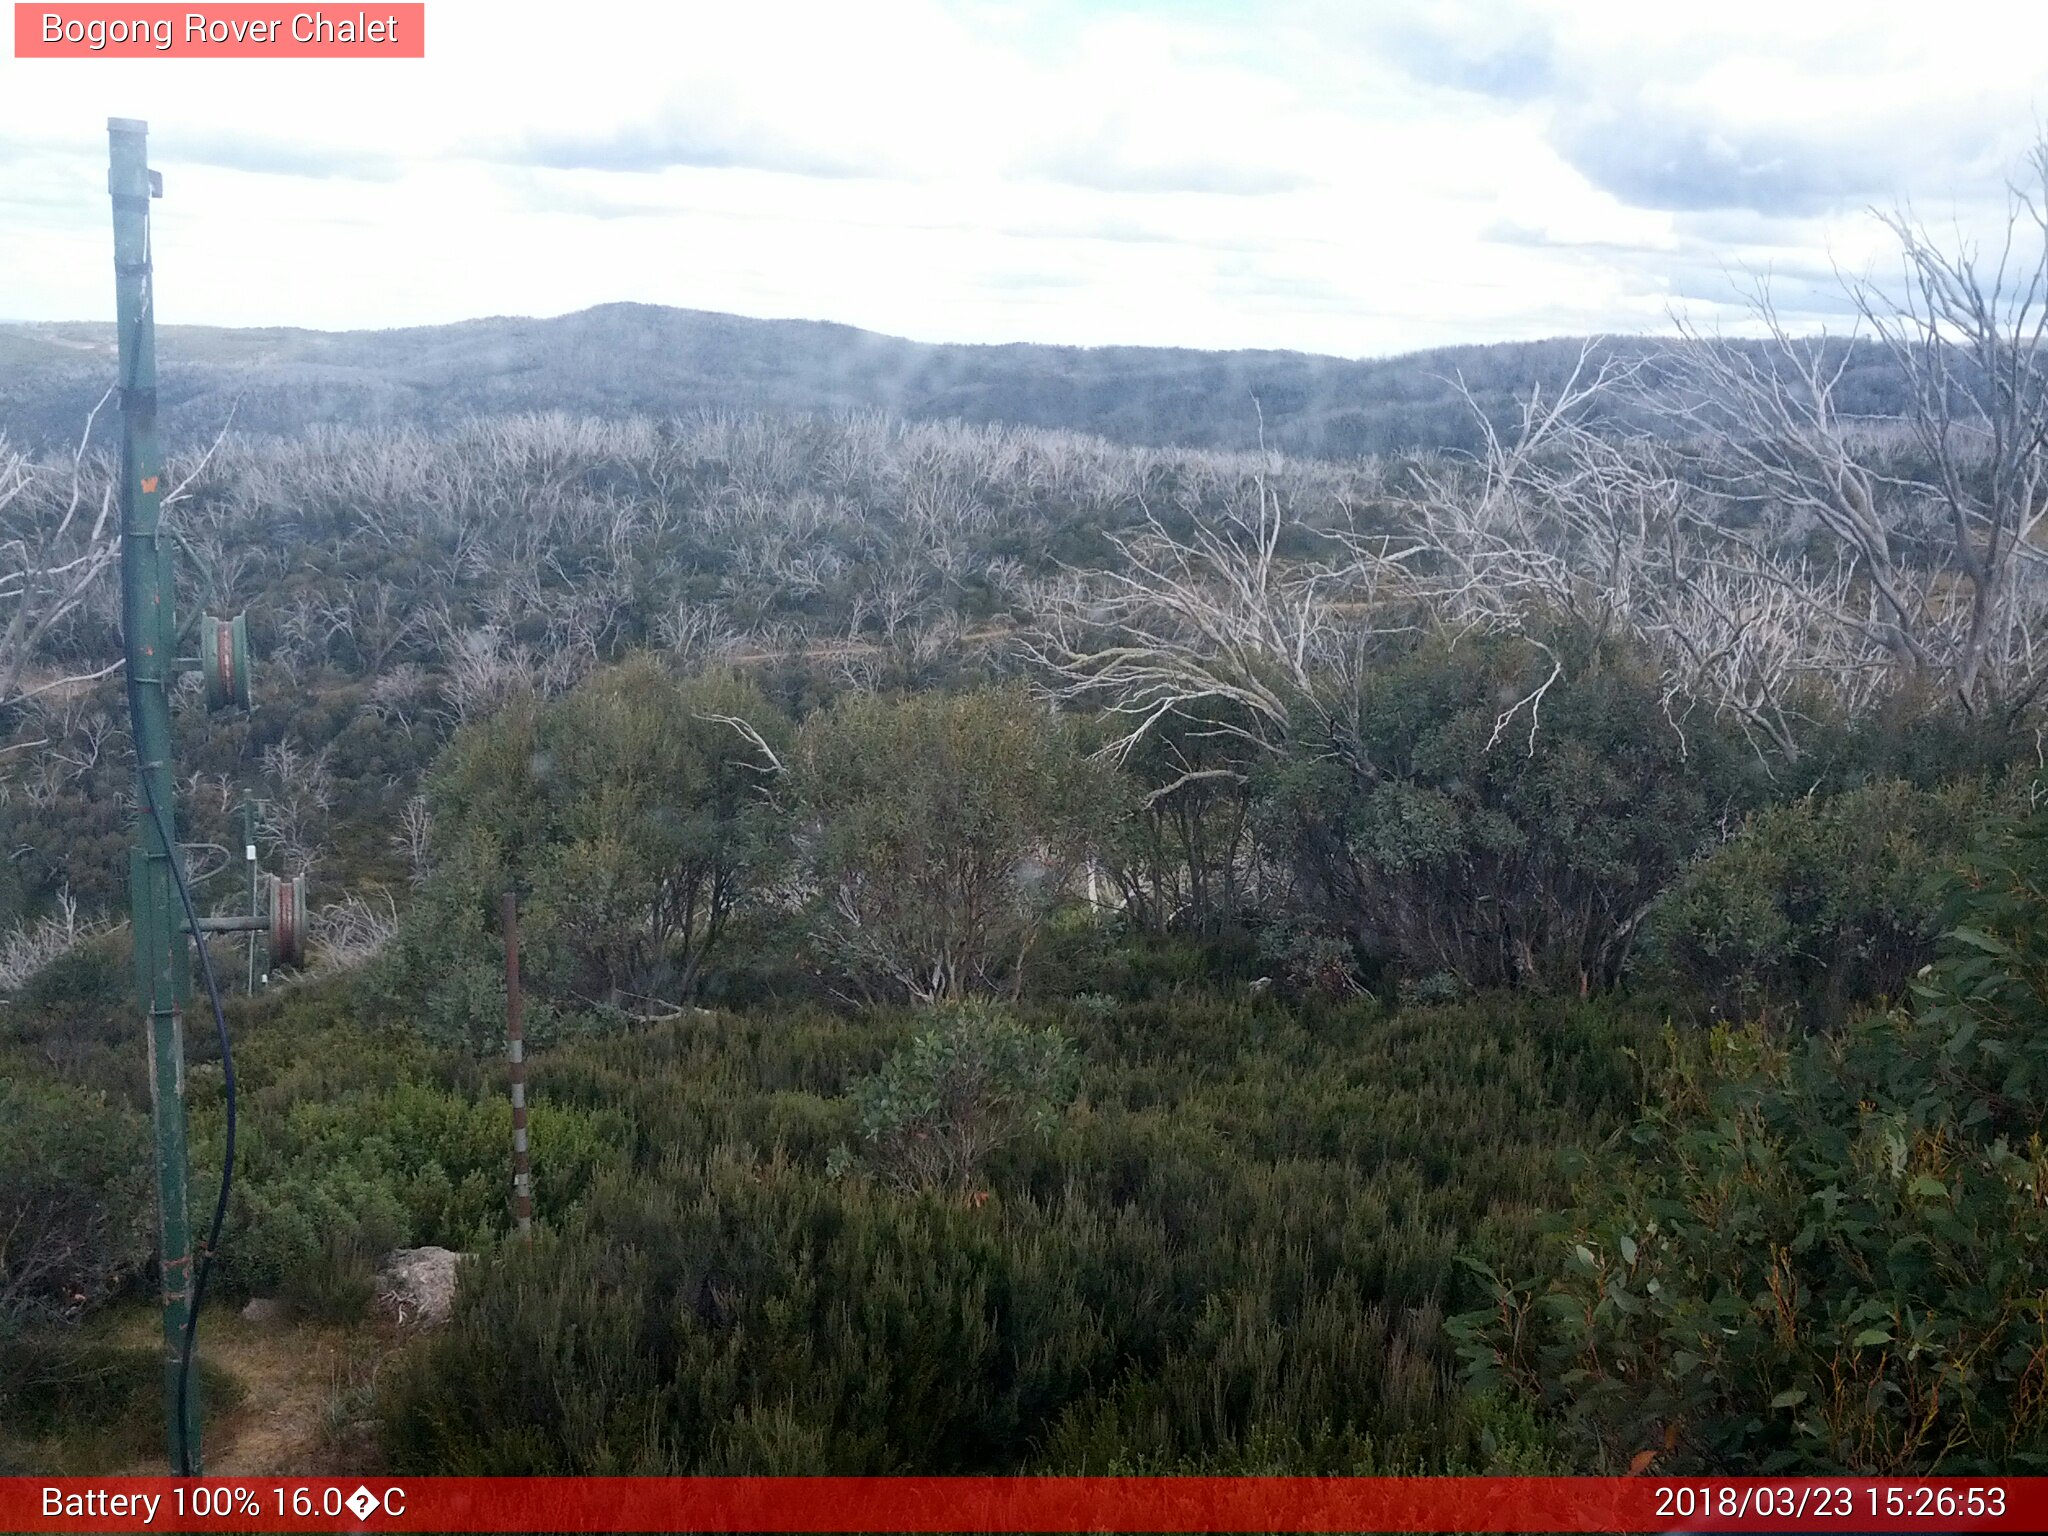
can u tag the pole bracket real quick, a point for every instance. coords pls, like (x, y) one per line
(232, 925)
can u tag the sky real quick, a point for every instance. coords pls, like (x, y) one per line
(1356, 178)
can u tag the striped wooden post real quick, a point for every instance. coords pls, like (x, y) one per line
(515, 1032)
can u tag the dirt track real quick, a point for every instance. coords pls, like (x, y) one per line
(299, 1414)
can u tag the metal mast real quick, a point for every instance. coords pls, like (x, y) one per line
(149, 635)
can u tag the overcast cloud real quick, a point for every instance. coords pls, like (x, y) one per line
(1356, 178)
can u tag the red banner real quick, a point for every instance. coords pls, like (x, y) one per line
(936, 1504)
(227, 31)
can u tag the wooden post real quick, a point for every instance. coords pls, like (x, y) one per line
(515, 1034)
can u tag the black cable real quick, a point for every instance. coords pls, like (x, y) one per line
(220, 1014)
(227, 1164)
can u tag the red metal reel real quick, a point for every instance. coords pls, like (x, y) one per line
(287, 920)
(224, 659)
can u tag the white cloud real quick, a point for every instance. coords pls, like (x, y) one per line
(1310, 173)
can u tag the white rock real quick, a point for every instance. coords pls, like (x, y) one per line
(417, 1285)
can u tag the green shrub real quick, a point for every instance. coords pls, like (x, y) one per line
(1312, 959)
(313, 1238)
(92, 977)
(1818, 905)
(74, 1019)
(72, 1406)
(629, 814)
(661, 829)
(444, 970)
(1083, 952)
(1231, 1253)
(74, 1201)
(1823, 1255)
(331, 1177)
(1448, 828)
(943, 833)
(1180, 851)
(973, 1081)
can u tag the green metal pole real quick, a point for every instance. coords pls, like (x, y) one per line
(149, 635)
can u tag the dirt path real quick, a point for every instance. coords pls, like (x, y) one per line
(305, 1396)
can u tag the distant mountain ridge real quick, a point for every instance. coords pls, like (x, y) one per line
(641, 359)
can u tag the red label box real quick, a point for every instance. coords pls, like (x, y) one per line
(230, 31)
(1023, 1504)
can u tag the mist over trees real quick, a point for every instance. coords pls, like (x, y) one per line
(623, 360)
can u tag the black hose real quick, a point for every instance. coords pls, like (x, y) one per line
(227, 1072)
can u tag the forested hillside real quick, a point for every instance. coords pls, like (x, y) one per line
(624, 360)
